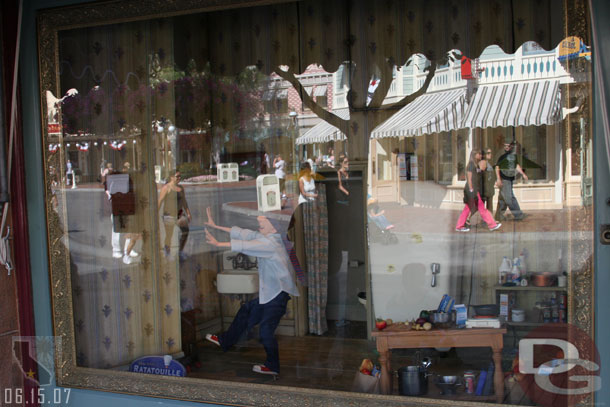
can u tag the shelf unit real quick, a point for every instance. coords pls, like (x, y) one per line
(529, 288)
(525, 298)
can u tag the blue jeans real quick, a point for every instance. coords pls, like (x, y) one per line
(507, 198)
(267, 316)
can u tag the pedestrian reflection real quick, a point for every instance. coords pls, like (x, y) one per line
(472, 194)
(175, 213)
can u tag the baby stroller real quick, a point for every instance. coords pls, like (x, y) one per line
(385, 237)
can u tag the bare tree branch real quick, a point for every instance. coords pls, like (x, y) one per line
(410, 98)
(322, 113)
(384, 86)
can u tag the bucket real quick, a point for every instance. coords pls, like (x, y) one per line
(412, 381)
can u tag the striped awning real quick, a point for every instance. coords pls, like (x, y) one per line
(531, 103)
(429, 113)
(324, 132)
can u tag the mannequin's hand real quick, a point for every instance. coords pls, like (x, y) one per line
(210, 239)
(210, 222)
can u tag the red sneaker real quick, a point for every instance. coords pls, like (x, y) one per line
(262, 369)
(213, 339)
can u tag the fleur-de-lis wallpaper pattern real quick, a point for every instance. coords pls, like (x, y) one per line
(126, 78)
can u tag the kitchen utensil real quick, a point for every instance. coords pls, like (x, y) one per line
(440, 317)
(447, 384)
(412, 381)
(426, 362)
(436, 268)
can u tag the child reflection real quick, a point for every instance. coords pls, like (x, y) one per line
(175, 213)
(378, 215)
(472, 194)
(276, 284)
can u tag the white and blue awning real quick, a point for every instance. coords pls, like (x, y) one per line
(531, 103)
(324, 132)
(429, 113)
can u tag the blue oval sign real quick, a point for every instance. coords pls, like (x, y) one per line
(156, 365)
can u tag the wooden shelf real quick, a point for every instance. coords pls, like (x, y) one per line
(526, 323)
(461, 396)
(529, 288)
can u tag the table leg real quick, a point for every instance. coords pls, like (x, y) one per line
(498, 376)
(386, 372)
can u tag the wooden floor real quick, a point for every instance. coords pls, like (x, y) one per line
(327, 363)
(312, 362)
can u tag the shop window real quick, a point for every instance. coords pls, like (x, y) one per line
(430, 158)
(575, 147)
(322, 101)
(445, 158)
(533, 152)
(219, 187)
(462, 139)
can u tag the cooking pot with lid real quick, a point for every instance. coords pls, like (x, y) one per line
(412, 381)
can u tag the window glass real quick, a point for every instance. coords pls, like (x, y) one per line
(462, 140)
(533, 152)
(209, 204)
(445, 157)
(430, 157)
(575, 147)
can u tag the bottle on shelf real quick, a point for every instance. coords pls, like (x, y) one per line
(504, 270)
(522, 265)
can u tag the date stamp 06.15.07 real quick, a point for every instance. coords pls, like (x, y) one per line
(36, 396)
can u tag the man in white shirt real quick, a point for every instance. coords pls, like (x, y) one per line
(276, 284)
(280, 172)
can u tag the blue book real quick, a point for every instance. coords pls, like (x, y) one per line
(488, 388)
(481, 383)
(443, 303)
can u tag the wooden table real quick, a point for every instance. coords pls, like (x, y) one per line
(398, 337)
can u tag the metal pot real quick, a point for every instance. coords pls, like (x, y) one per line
(543, 279)
(439, 317)
(412, 381)
(447, 384)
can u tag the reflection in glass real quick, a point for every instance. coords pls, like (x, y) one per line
(141, 143)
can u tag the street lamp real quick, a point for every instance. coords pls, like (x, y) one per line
(167, 131)
(294, 132)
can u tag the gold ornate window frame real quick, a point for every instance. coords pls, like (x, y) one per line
(68, 374)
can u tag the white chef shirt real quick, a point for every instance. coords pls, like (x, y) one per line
(275, 271)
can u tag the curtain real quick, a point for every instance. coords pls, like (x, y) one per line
(121, 311)
(315, 230)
